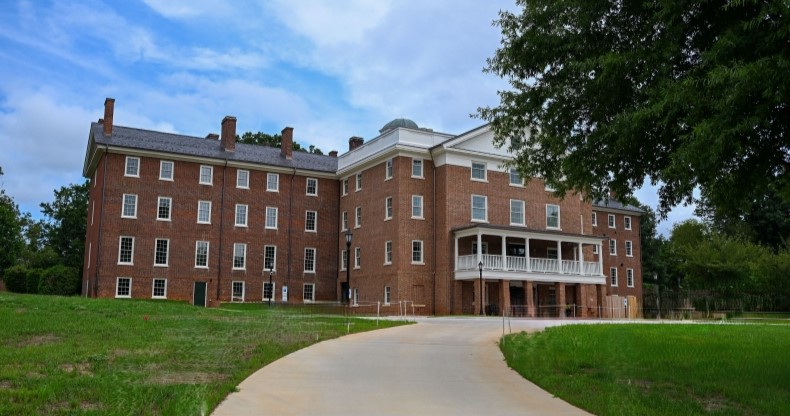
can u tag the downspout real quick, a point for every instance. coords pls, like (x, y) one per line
(221, 227)
(430, 152)
(290, 216)
(101, 222)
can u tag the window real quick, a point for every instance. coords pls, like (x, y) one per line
(387, 295)
(239, 256)
(310, 221)
(163, 212)
(484, 247)
(479, 208)
(627, 223)
(201, 254)
(165, 170)
(126, 250)
(516, 212)
(343, 260)
(309, 260)
(123, 287)
(132, 167)
(629, 249)
(416, 206)
(355, 296)
(309, 292)
(611, 221)
(552, 216)
(629, 277)
(344, 225)
(388, 252)
(271, 218)
(359, 181)
(388, 208)
(594, 219)
(613, 247)
(552, 253)
(272, 182)
(515, 178)
(345, 186)
(268, 291)
(238, 292)
(243, 179)
(241, 215)
(547, 187)
(312, 186)
(204, 212)
(93, 208)
(358, 222)
(161, 252)
(595, 249)
(129, 209)
(357, 257)
(416, 252)
(270, 258)
(613, 276)
(478, 171)
(159, 289)
(206, 175)
(416, 168)
(388, 169)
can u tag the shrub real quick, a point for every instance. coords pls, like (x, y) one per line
(32, 280)
(15, 278)
(60, 280)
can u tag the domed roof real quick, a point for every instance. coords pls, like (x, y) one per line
(399, 122)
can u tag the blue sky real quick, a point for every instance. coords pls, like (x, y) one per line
(330, 69)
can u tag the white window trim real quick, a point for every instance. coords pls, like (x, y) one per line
(243, 290)
(276, 218)
(485, 171)
(472, 208)
(523, 212)
(209, 213)
(611, 221)
(559, 217)
(344, 221)
(612, 247)
(484, 247)
(131, 258)
(386, 261)
(238, 177)
(627, 222)
(233, 258)
(595, 249)
(172, 170)
(388, 215)
(126, 167)
(117, 281)
(629, 277)
(616, 278)
(422, 252)
(422, 168)
(167, 255)
(343, 253)
(312, 292)
(169, 208)
(358, 182)
(211, 175)
(274, 258)
(389, 168)
(357, 257)
(387, 299)
(315, 259)
(307, 187)
(422, 207)
(510, 181)
(554, 250)
(208, 250)
(93, 209)
(263, 291)
(123, 205)
(153, 288)
(357, 217)
(344, 187)
(629, 253)
(594, 219)
(236, 215)
(276, 182)
(315, 222)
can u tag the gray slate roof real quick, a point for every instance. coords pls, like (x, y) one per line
(610, 203)
(200, 147)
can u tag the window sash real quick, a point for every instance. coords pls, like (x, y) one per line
(201, 253)
(613, 276)
(416, 206)
(270, 258)
(552, 216)
(243, 179)
(161, 252)
(388, 252)
(359, 181)
(272, 182)
(479, 208)
(204, 212)
(126, 250)
(416, 251)
(129, 206)
(416, 168)
(239, 256)
(358, 217)
(163, 212)
(613, 247)
(271, 218)
(357, 257)
(159, 289)
(312, 186)
(310, 221)
(388, 208)
(241, 215)
(132, 166)
(165, 170)
(515, 178)
(206, 175)
(479, 171)
(308, 293)
(516, 212)
(309, 260)
(123, 287)
(388, 169)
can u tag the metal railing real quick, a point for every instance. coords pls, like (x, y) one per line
(535, 264)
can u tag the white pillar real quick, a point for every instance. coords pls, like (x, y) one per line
(559, 255)
(526, 251)
(600, 260)
(479, 247)
(581, 260)
(456, 252)
(504, 253)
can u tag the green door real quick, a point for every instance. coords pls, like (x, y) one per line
(199, 298)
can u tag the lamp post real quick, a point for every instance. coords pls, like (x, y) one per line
(349, 235)
(271, 288)
(480, 266)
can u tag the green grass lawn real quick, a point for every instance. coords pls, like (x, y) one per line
(660, 369)
(105, 356)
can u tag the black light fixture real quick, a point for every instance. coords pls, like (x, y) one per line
(271, 288)
(349, 235)
(480, 266)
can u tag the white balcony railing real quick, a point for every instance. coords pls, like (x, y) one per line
(536, 265)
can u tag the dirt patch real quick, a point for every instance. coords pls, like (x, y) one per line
(37, 340)
(83, 369)
(713, 404)
(186, 377)
(5, 384)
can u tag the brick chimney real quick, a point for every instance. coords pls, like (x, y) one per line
(287, 144)
(109, 109)
(333, 153)
(355, 142)
(212, 136)
(228, 140)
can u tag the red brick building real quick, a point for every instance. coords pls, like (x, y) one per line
(206, 220)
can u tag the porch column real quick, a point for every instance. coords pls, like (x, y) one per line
(504, 253)
(559, 255)
(526, 250)
(581, 260)
(479, 247)
(600, 259)
(530, 301)
(559, 289)
(456, 252)
(504, 296)
(476, 297)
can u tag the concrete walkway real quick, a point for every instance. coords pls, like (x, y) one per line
(441, 366)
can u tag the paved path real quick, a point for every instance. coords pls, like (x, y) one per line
(441, 366)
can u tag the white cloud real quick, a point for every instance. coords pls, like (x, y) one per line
(331, 22)
(185, 9)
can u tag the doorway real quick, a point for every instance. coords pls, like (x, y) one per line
(199, 294)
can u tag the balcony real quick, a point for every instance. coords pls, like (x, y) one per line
(534, 265)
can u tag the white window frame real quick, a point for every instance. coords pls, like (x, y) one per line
(162, 164)
(627, 222)
(197, 251)
(344, 221)
(629, 248)
(118, 287)
(242, 210)
(359, 182)
(307, 221)
(243, 247)
(272, 182)
(523, 212)
(245, 175)
(355, 296)
(120, 246)
(209, 212)
(357, 217)
(274, 258)
(613, 276)
(167, 252)
(388, 208)
(269, 210)
(312, 293)
(169, 208)
(612, 221)
(484, 247)
(421, 252)
(306, 258)
(485, 208)
(136, 174)
(315, 187)
(629, 277)
(388, 169)
(612, 247)
(345, 186)
(514, 171)
(93, 209)
(552, 253)
(357, 257)
(233, 297)
(388, 252)
(272, 295)
(485, 171)
(594, 219)
(387, 295)
(559, 216)
(421, 214)
(210, 175)
(343, 259)
(419, 166)
(123, 206)
(153, 289)
(595, 248)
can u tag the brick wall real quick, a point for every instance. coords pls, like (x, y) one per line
(621, 261)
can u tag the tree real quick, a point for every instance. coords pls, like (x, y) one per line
(265, 139)
(66, 223)
(688, 93)
(11, 242)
